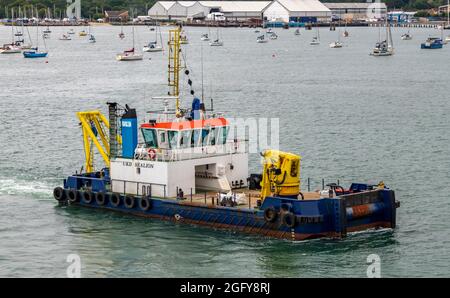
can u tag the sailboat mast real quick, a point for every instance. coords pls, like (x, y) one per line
(133, 37)
(37, 36)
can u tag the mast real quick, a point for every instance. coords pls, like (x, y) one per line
(174, 66)
(133, 38)
(12, 26)
(37, 36)
(391, 42)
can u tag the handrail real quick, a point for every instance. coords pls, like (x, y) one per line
(169, 154)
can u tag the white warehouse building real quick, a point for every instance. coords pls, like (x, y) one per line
(297, 11)
(282, 10)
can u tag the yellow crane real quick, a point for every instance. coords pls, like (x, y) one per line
(94, 126)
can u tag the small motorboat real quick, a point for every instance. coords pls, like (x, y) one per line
(257, 31)
(82, 33)
(268, 31)
(121, 35)
(315, 41)
(261, 39)
(297, 32)
(273, 36)
(35, 53)
(48, 31)
(65, 37)
(45, 36)
(432, 43)
(92, 39)
(216, 43)
(345, 33)
(152, 46)
(406, 36)
(336, 45)
(204, 37)
(71, 31)
(10, 49)
(129, 55)
(18, 33)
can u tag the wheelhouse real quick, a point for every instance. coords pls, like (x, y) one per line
(185, 134)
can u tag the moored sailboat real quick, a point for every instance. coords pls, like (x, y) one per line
(129, 55)
(385, 47)
(35, 52)
(153, 46)
(316, 39)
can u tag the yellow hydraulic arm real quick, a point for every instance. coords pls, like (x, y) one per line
(281, 174)
(94, 126)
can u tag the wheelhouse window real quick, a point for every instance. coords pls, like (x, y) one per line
(185, 137)
(173, 138)
(196, 137)
(150, 138)
(205, 133)
(223, 135)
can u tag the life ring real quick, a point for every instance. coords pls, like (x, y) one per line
(289, 219)
(129, 202)
(115, 200)
(145, 203)
(270, 214)
(151, 153)
(101, 198)
(73, 195)
(88, 197)
(59, 194)
(177, 217)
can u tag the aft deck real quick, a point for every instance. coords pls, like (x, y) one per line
(210, 198)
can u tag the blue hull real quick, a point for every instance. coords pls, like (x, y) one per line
(290, 219)
(34, 55)
(432, 46)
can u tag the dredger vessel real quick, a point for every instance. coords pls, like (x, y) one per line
(187, 169)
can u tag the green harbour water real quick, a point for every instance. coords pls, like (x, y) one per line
(351, 117)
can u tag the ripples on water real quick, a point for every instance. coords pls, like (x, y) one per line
(351, 117)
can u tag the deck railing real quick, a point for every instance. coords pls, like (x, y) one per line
(142, 152)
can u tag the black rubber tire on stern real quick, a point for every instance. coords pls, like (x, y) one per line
(145, 203)
(101, 198)
(129, 202)
(88, 197)
(270, 214)
(115, 200)
(73, 195)
(59, 194)
(289, 220)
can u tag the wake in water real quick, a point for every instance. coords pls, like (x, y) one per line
(13, 186)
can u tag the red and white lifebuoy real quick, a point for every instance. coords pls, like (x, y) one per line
(151, 153)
